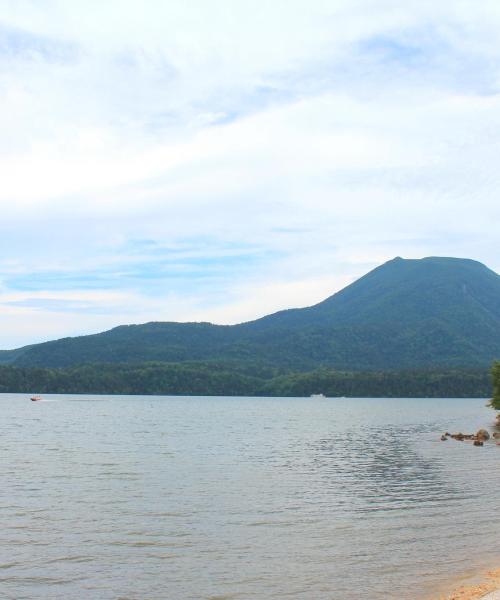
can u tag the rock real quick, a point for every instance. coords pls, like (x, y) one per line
(496, 435)
(482, 435)
(444, 438)
(478, 443)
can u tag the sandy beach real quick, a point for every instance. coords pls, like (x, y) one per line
(487, 588)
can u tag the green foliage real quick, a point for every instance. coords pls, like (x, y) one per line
(495, 372)
(247, 379)
(406, 314)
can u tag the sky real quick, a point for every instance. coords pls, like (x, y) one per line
(218, 160)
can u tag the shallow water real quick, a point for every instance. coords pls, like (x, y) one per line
(225, 498)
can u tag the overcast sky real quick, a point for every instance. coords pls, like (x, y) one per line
(222, 159)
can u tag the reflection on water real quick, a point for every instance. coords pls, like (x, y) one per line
(223, 498)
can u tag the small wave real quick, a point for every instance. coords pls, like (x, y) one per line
(10, 565)
(76, 559)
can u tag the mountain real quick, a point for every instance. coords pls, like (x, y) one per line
(427, 313)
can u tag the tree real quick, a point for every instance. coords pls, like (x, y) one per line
(495, 372)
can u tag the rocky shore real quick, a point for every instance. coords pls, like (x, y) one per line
(477, 438)
(487, 585)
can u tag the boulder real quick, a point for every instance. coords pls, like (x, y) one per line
(482, 435)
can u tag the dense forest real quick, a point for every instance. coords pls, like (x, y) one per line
(233, 379)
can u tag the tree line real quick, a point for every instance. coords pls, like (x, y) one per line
(207, 378)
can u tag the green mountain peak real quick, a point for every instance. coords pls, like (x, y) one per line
(406, 313)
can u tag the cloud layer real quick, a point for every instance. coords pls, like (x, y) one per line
(221, 160)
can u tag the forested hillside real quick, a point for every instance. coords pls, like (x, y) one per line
(406, 314)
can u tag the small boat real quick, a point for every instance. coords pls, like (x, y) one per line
(36, 398)
(317, 396)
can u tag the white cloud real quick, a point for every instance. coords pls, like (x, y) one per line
(326, 137)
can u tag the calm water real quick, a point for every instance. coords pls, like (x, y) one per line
(225, 498)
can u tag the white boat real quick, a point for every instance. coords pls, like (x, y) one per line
(318, 396)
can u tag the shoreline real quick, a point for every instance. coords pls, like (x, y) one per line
(483, 586)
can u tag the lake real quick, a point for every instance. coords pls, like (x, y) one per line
(145, 498)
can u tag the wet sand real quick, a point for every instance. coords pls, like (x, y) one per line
(487, 587)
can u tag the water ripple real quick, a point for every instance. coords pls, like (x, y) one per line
(219, 498)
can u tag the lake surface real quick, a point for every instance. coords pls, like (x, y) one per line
(145, 498)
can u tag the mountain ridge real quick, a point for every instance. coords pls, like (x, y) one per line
(405, 313)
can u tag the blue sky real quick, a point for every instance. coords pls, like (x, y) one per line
(220, 160)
